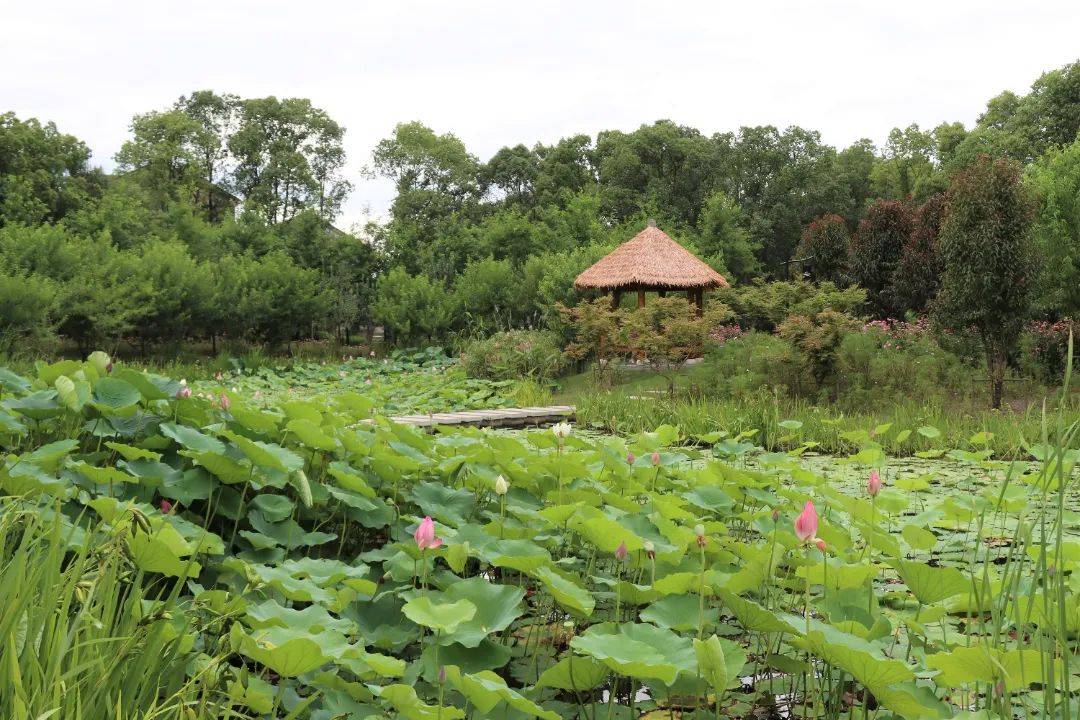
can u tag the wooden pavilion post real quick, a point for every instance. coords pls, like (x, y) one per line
(616, 298)
(699, 300)
(641, 297)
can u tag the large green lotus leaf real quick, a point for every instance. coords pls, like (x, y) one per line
(443, 502)
(151, 387)
(103, 475)
(312, 619)
(311, 435)
(496, 607)
(441, 617)
(365, 663)
(48, 456)
(293, 588)
(710, 498)
(358, 405)
(350, 479)
(273, 507)
(37, 406)
(636, 650)
(130, 452)
(47, 373)
(485, 690)
(521, 555)
(568, 593)
(194, 484)
(253, 419)
(10, 382)
(192, 439)
(866, 662)
(115, 394)
(288, 533)
(909, 700)
(327, 572)
(403, 698)
(269, 455)
(11, 425)
(73, 394)
(257, 695)
(602, 531)
(574, 673)
(25, 479)
(221, 466)
(302, 410)
(1016, 668)
(678, 612)
(931, 584)
(488, 655)
(919, 538)
(163, 552)
(720, 662)
(289, 651)
(837, 574)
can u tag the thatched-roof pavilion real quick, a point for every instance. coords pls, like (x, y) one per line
(650, 262)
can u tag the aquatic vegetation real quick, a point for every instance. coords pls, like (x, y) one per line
(296, 561)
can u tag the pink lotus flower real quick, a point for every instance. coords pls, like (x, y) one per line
(874, 485)
(166, 506)
(226, 403)
(655, 457)
(425, 535)
(806, 525)
(630, 458)
(620, 552)
(183, 392)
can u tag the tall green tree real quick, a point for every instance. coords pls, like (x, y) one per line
(876, 248)
(289, 157)
(989, 260)
(823, 250)
(723, 241)
(44, 174)
(1056, 180)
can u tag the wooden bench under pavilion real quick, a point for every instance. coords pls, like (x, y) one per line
(651, 262)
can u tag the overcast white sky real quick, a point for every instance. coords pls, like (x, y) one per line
(498, 73)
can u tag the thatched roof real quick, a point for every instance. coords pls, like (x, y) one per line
(650, 259)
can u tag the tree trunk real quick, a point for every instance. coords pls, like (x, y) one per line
(995, 371)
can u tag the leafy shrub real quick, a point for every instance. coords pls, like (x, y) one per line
(763, 306)
(514, 354)
(745, 364)
(412, 307)
(1044, 349)
(876, 248)
(27, 305)
(894, 362)
(490, 296)
(817, 338)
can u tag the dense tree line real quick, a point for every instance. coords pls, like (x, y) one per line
(217, 222)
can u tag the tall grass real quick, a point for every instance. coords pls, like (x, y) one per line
(84, 636)
(1013, 432)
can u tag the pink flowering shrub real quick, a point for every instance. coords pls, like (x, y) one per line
(1044, 348)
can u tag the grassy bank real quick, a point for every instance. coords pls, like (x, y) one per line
(639, 402)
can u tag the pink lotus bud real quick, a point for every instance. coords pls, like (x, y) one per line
(820, 544)
(620, 552)
(109, 367)
(166, 506)
(226, 403)
(806, 525)
(183, 392)
(442, 674)
(425, 535)
(630, 458)
(655, 457)
(775, 514)
(874, 485)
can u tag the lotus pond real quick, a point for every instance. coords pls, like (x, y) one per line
(401, 384)
(165, 555)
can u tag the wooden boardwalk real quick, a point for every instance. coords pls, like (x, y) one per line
(499, 417)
